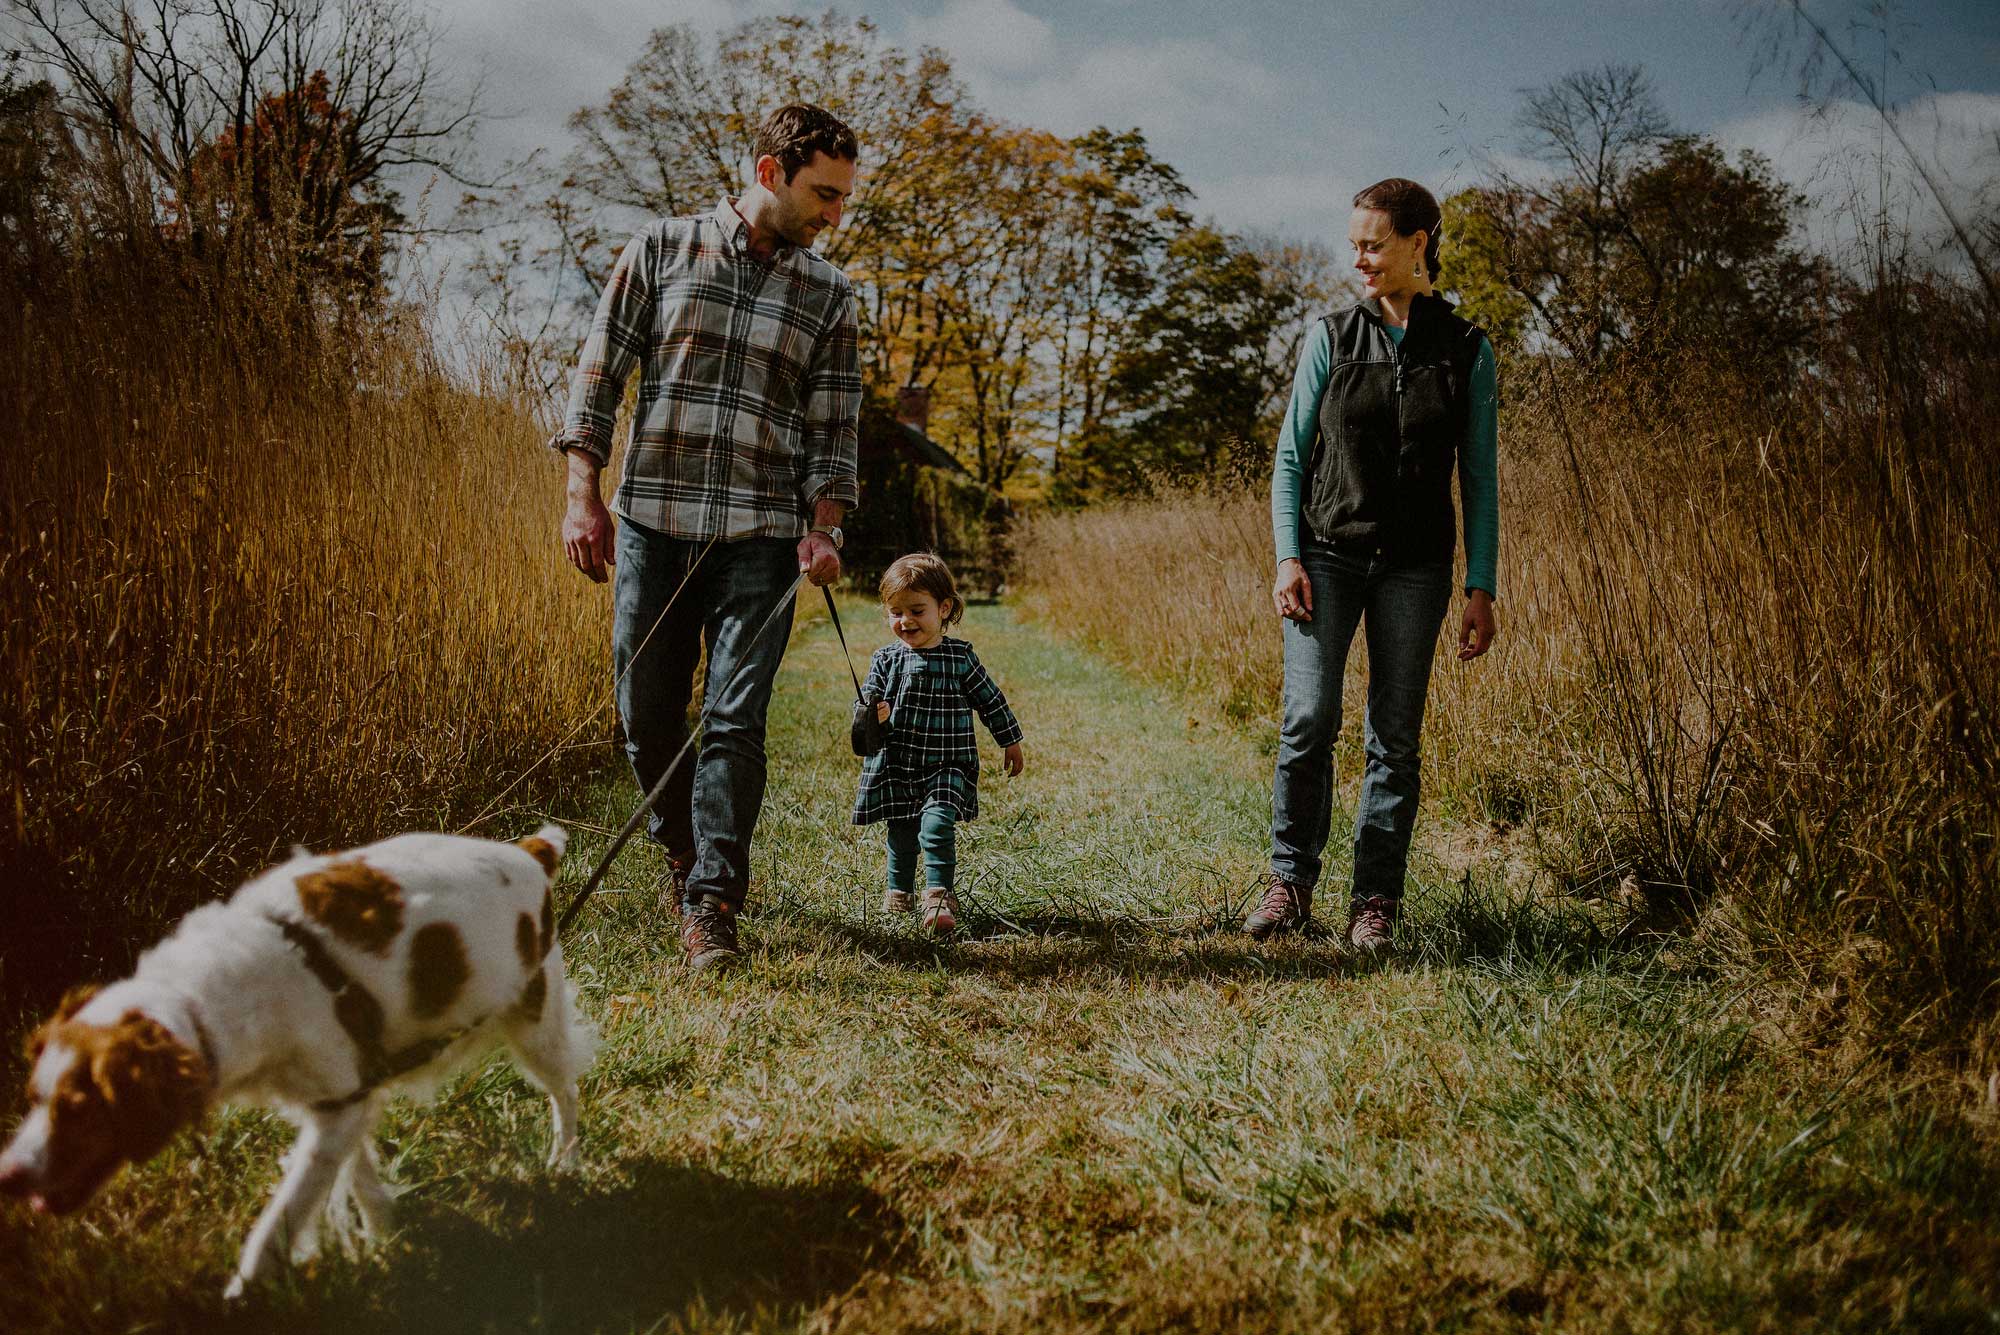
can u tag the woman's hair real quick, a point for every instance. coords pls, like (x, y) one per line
(1411, 209)
(923, 572)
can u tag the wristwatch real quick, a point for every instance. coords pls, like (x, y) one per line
(832, 533)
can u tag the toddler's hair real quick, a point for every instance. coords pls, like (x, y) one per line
(924, 572)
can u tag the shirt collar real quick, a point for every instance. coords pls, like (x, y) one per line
(737, 232)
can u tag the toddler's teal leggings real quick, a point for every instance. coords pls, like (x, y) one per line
(934, 829)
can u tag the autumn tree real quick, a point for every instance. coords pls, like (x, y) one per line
(1475, 268)
(1205, 369)
(1638, 238)
(1122, 209)
(241, 110)
(37, 158)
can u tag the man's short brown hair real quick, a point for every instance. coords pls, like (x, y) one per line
(793, 134)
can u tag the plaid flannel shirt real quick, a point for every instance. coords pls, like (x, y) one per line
(931, 755)
(749, 386)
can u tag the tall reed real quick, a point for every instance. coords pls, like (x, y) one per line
(270, 576)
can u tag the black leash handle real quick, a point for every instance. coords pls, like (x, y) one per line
(834, 612)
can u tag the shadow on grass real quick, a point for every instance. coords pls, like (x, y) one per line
(1447, 928)
(660, 1240)
(664, 1238)
(1025, 950)
(1466, 925)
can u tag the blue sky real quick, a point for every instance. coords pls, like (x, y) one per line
(1277, 112)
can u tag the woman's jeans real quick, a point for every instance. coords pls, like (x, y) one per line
(709, 809)
(935, 831)
(1400, 609)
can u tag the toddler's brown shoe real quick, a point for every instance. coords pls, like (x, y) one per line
(940, 910)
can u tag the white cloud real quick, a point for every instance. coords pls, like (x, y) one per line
(1304, 204)
(1178, 88)
(1853, 172)
(535, 77)
(1015, 64)
(996, 37)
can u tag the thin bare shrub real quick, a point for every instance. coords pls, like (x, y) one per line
(270, 575)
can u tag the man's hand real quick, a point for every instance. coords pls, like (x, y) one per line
(1011, 760)
(1476, 628)
(881, 711)
(1292, 595)
(587, 527)
(819, 559)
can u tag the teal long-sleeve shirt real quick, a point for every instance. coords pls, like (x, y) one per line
(1478, 464)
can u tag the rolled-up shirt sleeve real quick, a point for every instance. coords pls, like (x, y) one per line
(616, 344)
(832, 406)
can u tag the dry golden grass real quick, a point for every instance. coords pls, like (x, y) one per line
(259, 588)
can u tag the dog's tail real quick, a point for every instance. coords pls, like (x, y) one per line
(548, 845)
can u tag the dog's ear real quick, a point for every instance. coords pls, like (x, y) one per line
(73, 1001)
(151, 1084)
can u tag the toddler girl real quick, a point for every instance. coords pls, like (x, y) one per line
(925, 779)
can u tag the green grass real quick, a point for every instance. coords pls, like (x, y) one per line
(1102, 1109)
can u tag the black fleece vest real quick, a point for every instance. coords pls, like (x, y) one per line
(1390, 428)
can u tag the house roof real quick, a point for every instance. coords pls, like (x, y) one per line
(927, 451)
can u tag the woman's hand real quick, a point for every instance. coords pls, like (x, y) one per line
(1011, 760)
(1475, 626)
(881, 711)
(1292, 595)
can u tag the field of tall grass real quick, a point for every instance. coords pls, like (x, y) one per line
(1744, 686)
(267, 577)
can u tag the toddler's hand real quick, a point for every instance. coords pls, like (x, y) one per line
(881, 711)
(1012, 760)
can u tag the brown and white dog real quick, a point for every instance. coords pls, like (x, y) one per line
(318, 989)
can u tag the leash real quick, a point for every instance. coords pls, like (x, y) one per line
(660, 785)
(618, 681)
(848, 657)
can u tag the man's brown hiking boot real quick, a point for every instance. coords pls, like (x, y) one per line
(673, 885)
(708, 932)
(1371, 924)
(1284, 908)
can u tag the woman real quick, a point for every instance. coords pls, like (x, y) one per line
(1391, 392)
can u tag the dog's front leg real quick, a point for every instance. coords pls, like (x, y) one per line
(325, 1141)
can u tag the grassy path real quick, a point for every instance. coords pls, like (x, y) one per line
(1101, 1110)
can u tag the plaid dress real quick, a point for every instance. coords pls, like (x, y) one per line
(931, 755)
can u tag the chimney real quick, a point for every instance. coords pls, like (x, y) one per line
(913, 407)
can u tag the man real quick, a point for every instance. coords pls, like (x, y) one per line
(740, 467)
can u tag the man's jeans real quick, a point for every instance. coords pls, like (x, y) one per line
(1400, 608)
(709, 809)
